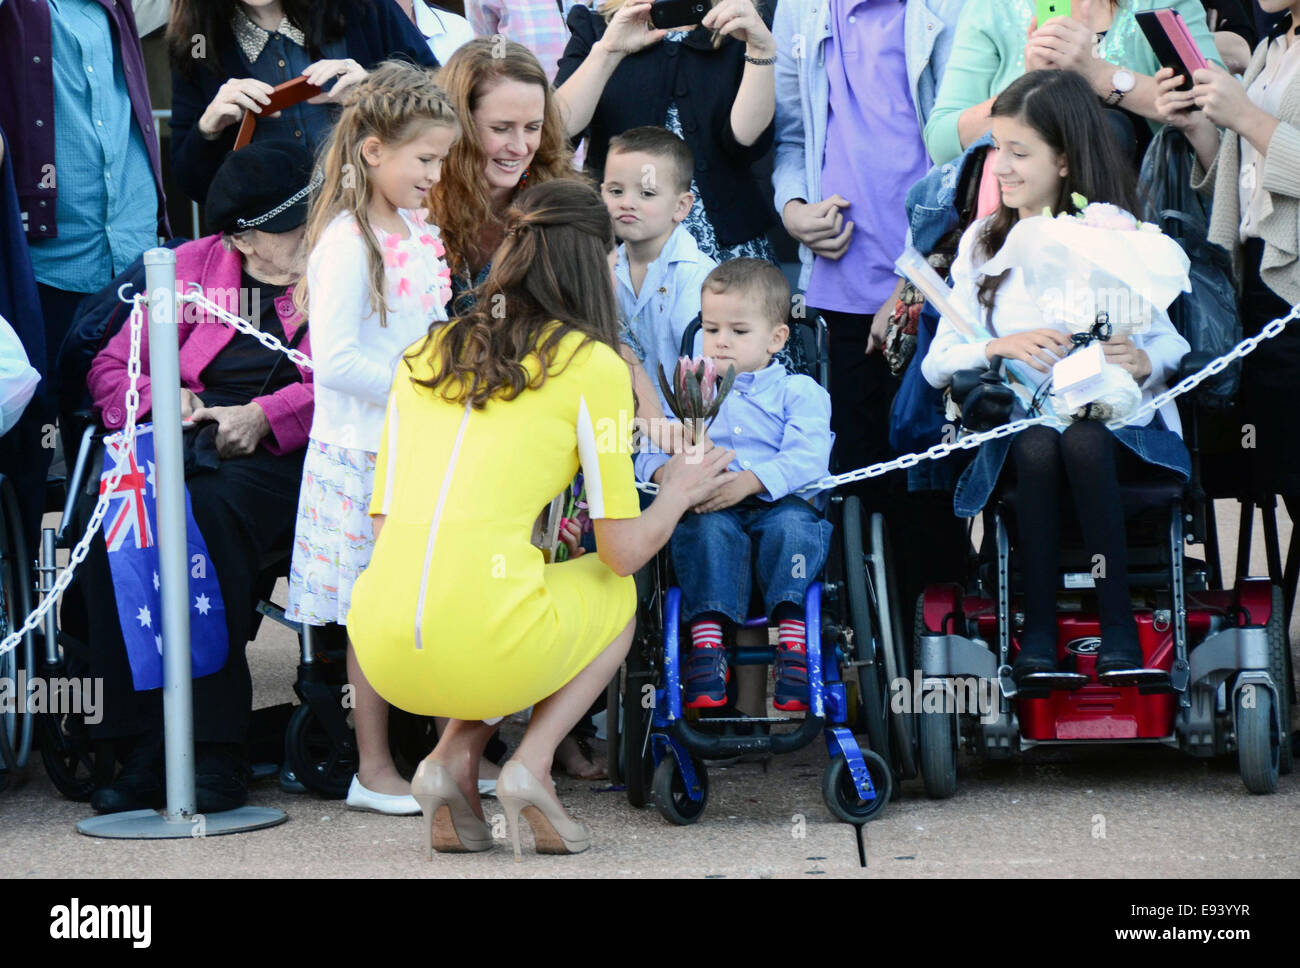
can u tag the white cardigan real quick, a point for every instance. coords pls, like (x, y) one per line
(1016, 311)
(355, 358)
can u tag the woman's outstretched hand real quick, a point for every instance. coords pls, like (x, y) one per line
(696, 473)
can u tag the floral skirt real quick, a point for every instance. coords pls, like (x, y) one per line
(333, 538)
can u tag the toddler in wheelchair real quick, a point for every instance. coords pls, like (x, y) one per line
(778, 423)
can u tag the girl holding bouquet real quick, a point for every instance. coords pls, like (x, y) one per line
(1050, 144)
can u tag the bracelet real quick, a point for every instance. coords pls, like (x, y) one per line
(760, 61)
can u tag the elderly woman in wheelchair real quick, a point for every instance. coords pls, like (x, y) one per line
(248, 410)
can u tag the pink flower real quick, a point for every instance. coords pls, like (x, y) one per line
(445, 294)
(404, 286)
(392, 240)
(427, 239)
(395, 258)
(439, 249)
(426, 301)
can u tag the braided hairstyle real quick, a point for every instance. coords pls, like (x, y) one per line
(395, 103)
(549, 278)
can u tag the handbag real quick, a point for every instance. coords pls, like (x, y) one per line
(1208, 316)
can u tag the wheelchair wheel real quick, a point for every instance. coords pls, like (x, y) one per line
(16, 586)
(73, 761)
(902, 724)
(637, 759)
(320, 766)
(670, 791)
(870, 689)
(841, 795)
(1279, 668)
(936, 734)
(1258, 740)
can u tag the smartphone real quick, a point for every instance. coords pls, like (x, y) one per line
(283, 96)
(669, 14)
(1167, 33)
(1047, 9)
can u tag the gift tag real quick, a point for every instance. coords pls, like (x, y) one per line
(1078, 377)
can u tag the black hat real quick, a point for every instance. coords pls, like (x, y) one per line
(264, 185)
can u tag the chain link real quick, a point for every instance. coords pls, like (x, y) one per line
(195, 295)
(1186, 385)
(936, 452)
(97, 516)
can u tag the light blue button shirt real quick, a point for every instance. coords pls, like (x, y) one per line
(667, 303)
(779, 425)
(107, 202)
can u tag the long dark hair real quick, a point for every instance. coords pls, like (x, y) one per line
(208, 21)
(1063, 109)
(552, 266)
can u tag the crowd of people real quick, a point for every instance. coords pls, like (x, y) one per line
(490, 228)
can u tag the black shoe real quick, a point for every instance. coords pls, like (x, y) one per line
(1037, 675)
(139, 786)
(1121, 667)
(220, 777)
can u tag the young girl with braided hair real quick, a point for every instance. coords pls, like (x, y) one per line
(376, 281)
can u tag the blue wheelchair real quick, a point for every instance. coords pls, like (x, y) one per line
(855, 650)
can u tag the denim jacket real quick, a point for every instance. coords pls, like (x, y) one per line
(932, 202)
(801, 29)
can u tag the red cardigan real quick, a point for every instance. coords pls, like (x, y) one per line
(205, 261)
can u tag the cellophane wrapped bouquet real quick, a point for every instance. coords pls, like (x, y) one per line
(1099, 274)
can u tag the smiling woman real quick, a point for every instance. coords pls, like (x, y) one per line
(513, 138)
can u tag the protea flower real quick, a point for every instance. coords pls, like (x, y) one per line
(698, 395)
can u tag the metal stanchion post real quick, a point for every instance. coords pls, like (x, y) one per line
(181, 818)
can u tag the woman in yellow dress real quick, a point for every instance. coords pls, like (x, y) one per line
(490, 417)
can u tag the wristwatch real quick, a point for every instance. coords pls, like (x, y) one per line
(1121, 83)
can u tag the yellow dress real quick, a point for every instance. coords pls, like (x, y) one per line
(458, 614)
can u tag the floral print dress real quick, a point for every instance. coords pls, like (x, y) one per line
(334, 537)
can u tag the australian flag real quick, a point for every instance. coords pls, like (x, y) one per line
(130, 532)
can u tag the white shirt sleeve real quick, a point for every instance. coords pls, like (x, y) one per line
(949, 350)
(338, 310)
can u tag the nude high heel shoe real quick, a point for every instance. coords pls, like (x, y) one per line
(553, 830)
(450, 824)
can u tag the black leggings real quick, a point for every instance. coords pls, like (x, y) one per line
(1093, 461)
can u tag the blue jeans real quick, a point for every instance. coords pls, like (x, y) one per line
(717, 554)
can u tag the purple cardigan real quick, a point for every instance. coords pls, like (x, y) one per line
(27, 104)
(206, 261)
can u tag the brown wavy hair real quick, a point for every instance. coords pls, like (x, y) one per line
(552, 268)
(461, 203)
(394, 103)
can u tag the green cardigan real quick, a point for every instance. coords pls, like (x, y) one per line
(989, 53)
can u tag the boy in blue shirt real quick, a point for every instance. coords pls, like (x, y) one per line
(778, 424)
(660, 268)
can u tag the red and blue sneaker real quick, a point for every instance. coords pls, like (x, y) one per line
(705, 676)
(791, 672)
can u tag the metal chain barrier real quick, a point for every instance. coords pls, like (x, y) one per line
(195, 295)
(1186, 385)
(938, 451)
(82, 547)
